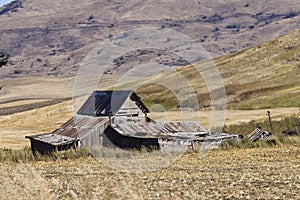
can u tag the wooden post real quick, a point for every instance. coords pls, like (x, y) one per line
(269, 115)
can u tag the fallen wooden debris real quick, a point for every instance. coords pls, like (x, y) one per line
(259, 134)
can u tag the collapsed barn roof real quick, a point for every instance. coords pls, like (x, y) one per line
(119, 116)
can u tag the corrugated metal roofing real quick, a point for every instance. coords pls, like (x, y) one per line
(80, 126)
(169, 129)
(105, 103)
(83, 122)
(53, 139)
(76, 127)
(185, 127)
(73, 133)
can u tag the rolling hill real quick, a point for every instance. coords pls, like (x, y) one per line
(263, 76)
(51, 38)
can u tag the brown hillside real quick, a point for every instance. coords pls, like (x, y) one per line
(263, 76)
(51, 38)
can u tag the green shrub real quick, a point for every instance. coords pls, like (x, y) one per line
(251, 26)
(246, 143)
(278, 126)
(4, 56)
(278, 138)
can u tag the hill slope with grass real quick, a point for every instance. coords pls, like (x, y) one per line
(263, 76)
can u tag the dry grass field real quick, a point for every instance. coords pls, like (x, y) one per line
(14, 127)
(262, 173)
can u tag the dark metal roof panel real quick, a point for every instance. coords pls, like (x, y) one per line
(105, 103)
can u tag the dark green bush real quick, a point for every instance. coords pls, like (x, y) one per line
(232, 26)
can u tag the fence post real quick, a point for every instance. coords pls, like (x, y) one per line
(269, 115)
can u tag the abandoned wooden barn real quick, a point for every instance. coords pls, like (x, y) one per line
(90, 125)
(118, 119)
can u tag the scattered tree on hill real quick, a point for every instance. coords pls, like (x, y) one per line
(232, 26)
(4, 56)
(291, 15)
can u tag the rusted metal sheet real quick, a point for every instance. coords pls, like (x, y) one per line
(103, 103)
(83, 122)
(165, 130)
(185, 127)
(168, 127)
(87, 129)
(139, 128)
(73, 133)
(81, 126)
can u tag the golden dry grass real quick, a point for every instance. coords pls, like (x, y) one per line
(14, 128)
(231, 117)
(265, 173)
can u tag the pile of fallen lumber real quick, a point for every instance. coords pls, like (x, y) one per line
(259, 134)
